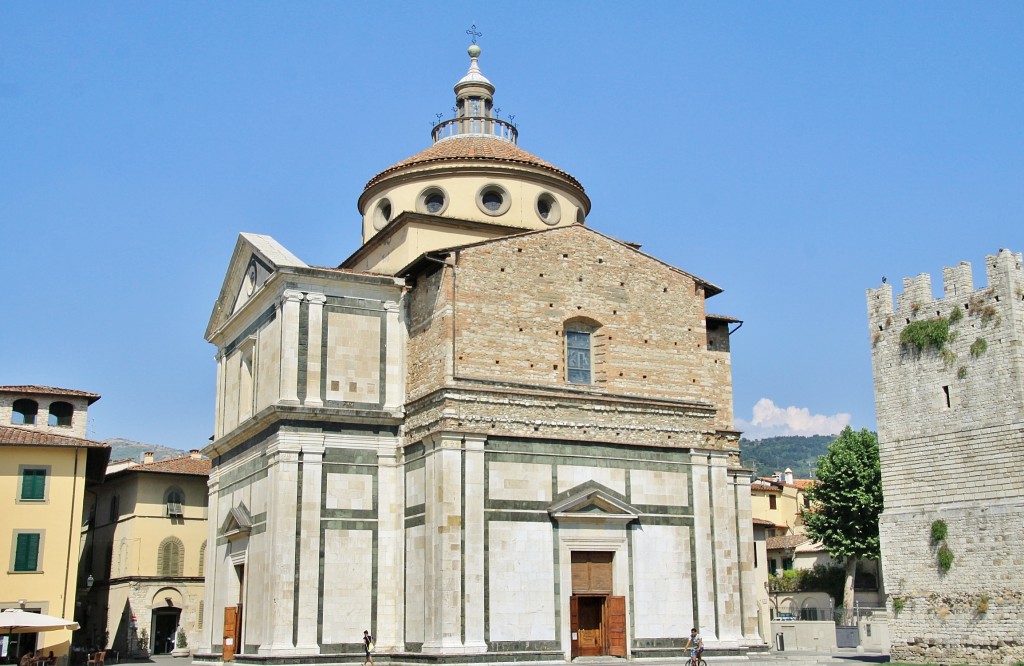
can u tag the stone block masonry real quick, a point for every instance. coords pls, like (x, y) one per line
(951, 438)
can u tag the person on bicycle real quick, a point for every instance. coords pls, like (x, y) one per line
(695, 644)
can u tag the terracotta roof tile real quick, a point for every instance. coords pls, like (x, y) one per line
(19, 436)
(462, 148)
(788, 541)
(761, 522)
(50, 390)
(184, 465)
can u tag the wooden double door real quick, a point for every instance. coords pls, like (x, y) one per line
(597, 618)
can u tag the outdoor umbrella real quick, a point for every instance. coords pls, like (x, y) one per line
(17, 621)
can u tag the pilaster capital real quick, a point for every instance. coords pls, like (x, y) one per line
(291, 296)
(391, 306)
(319, 299)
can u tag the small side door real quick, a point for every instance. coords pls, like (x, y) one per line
(230, 633)
(615, 616)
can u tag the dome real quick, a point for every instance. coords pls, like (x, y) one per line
(473, 148)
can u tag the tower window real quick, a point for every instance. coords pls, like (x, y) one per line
(381, 214)
(493, 199)
(25, 412)
(60, 414)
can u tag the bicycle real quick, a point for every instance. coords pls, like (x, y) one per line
(697, 658)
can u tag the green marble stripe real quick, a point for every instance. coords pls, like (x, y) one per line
(303, 350)
(365, 457)
(662, 510)
(415, 521)
(354, 305)
(268, 315)
(236, 478)
(694, 597)
(523, 646)
(415, 510)
(346, 524)
(516, 505)
(556, 562)
(298, 553)
(684, 521)
(517, 517)
(659, 643)
(714, 550)
(597, 454)
(462, 546)
(348, 514)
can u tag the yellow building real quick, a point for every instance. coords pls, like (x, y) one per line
(47, 468)
(145, 547)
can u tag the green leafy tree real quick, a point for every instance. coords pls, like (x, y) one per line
(845, 503)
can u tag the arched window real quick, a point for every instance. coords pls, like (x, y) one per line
(202, 559)
(170, 558)
(174, 498)
(60, 414)
(25, 412)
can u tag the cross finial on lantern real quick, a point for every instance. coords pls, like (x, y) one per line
(474, 33)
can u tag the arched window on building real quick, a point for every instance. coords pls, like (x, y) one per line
(174, 498)
(24, 412)
(202, 559)
(60, 414)
(170, 558)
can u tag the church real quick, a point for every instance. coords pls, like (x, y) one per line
(491, 434)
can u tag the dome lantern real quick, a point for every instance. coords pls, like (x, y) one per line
(474, 108)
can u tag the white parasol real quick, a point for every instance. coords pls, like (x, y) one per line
(17, 621)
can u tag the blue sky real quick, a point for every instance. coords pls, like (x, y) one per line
(791, 152)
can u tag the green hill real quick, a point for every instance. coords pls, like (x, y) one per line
(775, 454)
(126, 448)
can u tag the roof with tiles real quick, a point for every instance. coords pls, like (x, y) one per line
(761, 522)
(473, 148)
(50, 390)
(786, 542)
(184, 465)
(18, 436)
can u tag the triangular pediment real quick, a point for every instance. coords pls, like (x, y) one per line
(237, 522)
(255, 259)
(592, 503)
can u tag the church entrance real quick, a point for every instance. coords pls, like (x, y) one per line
(597, 619)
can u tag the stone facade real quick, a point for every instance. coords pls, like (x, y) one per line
(951, 436)
(411, 443)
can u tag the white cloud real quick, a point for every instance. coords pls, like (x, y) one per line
(770, 420)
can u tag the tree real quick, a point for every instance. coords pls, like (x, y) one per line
(845, 503)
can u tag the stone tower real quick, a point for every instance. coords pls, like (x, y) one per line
(949, 395)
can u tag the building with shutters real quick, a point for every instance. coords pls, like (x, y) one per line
(48, 469)
(144, 544)
(491, 434)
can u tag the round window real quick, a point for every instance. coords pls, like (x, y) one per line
(548, 209)
(432, 200)
(580, 218)
(493, 199)
(381, 214)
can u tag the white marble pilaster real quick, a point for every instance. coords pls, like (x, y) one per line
(309, 548)
(443, 558)
(703, 538)
(473, 537)
(218, 418)
(314, 355)
(394, 357)
(750, 590)
(213, 607)
(390, 550)
(725, 554)
(283, 469)
(290, 346)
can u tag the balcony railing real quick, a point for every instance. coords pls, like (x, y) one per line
(475, 126)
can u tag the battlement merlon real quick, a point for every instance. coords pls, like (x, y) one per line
(1003, 272)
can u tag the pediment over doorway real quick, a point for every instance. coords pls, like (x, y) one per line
(593, 503)
(237, 523)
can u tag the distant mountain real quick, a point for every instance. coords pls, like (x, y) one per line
(775, 454)
(126, 448)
